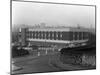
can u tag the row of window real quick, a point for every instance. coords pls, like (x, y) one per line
(80, 35)
(56, 35)
(44, 35)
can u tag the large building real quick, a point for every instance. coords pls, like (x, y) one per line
(53, 35)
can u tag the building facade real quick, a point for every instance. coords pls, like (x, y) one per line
(54, 35)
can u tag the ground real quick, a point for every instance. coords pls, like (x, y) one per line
(42, 62)
(31, 64)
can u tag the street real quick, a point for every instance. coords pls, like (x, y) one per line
(36, 64)
(42, 62)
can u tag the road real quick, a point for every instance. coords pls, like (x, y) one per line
(43, 63)
(36, 65)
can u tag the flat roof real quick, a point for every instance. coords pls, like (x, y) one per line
(59, 29)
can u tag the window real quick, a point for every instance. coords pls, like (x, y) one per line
(77, 35)
(38, 35)
(35, 34)
(73, 35)
(61, 35)
(48, 35)
(52, 35)
(42, 35)
(56, 35)
(82, 36)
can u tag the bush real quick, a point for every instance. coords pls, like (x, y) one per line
(18, 52)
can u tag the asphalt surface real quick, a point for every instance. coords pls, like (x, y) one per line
(41, 62)
(36, 64)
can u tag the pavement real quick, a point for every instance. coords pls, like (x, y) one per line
(35, 65)
(43, 63)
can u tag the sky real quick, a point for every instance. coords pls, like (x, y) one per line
(31, 13)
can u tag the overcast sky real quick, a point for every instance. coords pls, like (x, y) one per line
(52, 14)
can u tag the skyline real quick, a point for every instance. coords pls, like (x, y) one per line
(52, 14)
